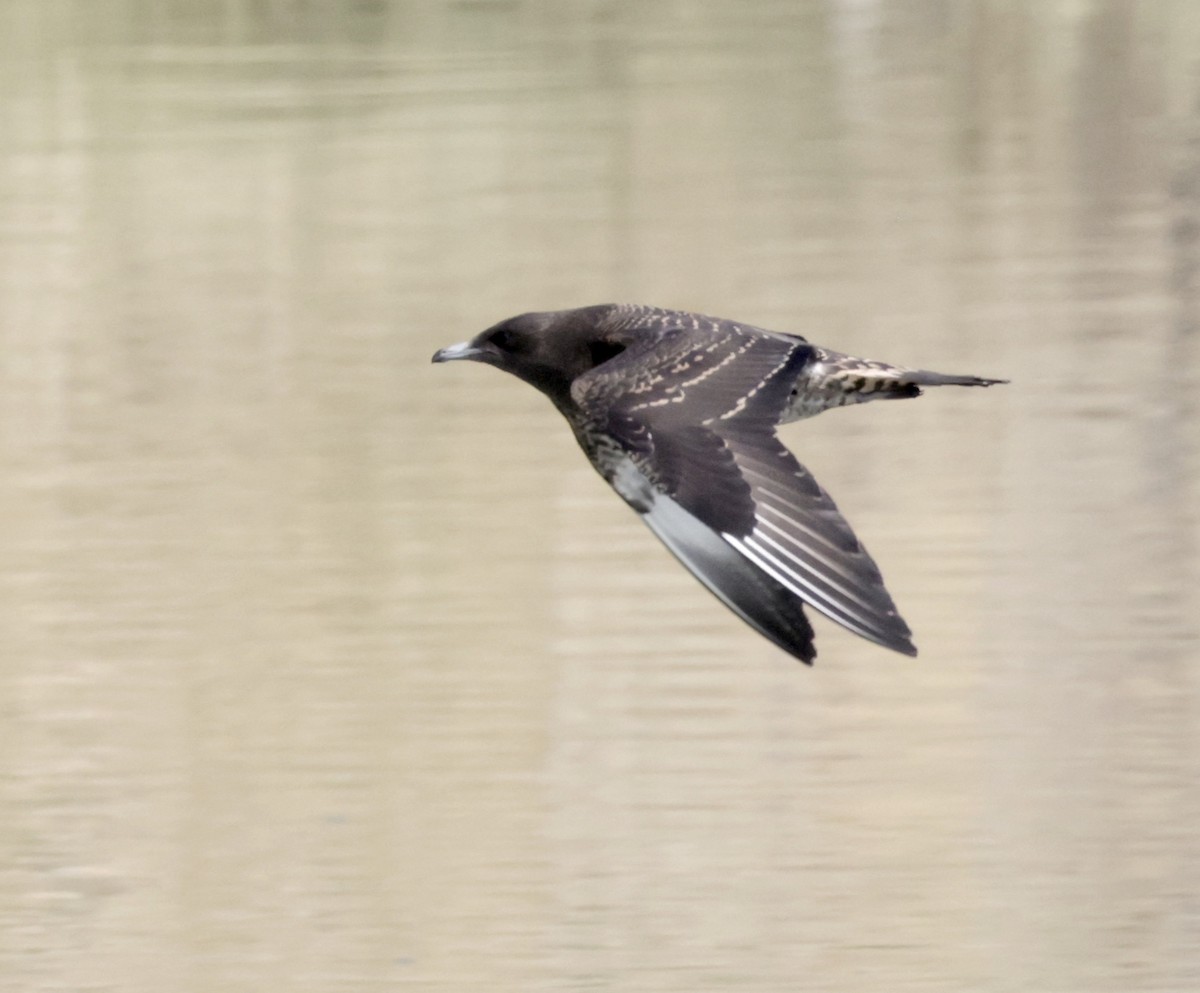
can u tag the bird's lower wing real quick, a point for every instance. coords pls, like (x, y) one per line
(751, 592)
(757, 530)
(800, 539)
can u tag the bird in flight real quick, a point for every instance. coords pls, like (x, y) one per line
(677, 411)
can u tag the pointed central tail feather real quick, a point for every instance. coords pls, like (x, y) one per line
(832, 379)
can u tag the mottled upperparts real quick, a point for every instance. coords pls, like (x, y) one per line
(678, 412)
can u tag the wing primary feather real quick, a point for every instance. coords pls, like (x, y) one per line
(895, 637)
(829, 568)
(767, 605)
(809, 531)
(801, 584)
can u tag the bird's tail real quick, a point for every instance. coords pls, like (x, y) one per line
(832, 379)
(923, 377)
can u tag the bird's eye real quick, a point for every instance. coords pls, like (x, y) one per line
(602, 351)
(505, 340)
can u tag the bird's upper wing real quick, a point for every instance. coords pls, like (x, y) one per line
(696, 414)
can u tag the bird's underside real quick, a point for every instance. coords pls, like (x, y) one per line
(678, 412)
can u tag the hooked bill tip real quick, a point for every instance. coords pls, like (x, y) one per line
(463, 350)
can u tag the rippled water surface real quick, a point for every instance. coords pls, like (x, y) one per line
(323, 668)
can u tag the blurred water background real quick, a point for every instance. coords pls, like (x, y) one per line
(326, 669)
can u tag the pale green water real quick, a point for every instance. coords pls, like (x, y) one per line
(323, 668)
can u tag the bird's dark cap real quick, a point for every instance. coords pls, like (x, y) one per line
(547, 349)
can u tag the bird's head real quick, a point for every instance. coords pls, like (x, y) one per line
(547, 350)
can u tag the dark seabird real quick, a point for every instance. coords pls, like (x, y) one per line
(677, 411)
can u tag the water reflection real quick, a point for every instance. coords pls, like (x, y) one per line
(324, 668)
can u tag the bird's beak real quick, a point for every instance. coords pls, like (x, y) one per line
(463, 350)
